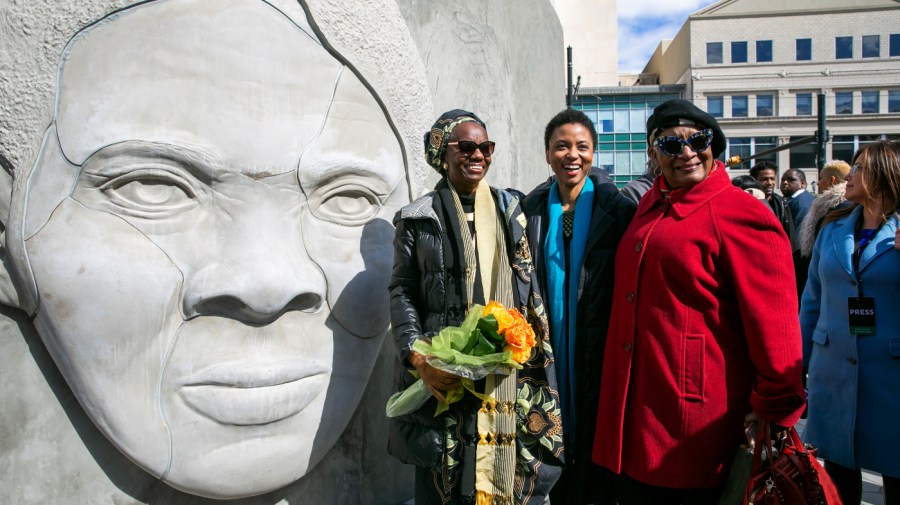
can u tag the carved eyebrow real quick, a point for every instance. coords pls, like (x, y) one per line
(319, 171)
(199, 161)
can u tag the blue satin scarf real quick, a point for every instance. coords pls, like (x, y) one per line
(562, 328)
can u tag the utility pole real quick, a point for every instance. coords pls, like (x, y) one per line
(821, 134)
(570, 86)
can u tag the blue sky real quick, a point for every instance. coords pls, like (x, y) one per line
(643, 23)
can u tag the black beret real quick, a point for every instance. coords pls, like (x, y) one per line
(677, 112)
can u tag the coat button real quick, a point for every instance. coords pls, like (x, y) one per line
(627, 346)
(639, 246)
(629, 297)
(852, 282)
(852, 361)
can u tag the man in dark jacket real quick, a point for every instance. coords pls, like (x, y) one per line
(569, 146)
(766, 173)
(793, 187)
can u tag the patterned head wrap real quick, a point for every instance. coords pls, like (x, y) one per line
(436, 139)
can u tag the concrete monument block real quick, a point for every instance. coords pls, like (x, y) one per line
(204, 240)
(197, 242)
(502, 59)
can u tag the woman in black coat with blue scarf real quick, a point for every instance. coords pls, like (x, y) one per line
(461, 244)
(575, 221)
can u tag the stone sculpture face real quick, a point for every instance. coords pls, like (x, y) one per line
(208, 230)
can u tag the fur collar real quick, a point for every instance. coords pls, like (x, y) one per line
(823, 204)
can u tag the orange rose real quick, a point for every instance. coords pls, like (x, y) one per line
(504, 319)
(519, 337)
(519, 355)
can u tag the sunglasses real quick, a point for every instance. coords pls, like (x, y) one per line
(698, 142)
(853, 169)
(467, 147)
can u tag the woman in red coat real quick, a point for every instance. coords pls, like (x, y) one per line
(704, 334)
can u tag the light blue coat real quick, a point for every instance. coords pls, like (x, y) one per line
(854, 381)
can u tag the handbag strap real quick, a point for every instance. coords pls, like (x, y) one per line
(794, 438)
(763, 441)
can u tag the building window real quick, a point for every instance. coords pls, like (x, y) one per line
(869, 102)
(715, 105)
(765, 105)
(868, 139)
(804, 104)
(804, 155)
(606, 121)
(740, 146)
(763, 50)
(713, 53)
(624, 164)
(894, 100)
(739, 52)
(607, 161)
(746, 147)
(739, 106)
(894, 44)
(843, 48)
(620, 117)
(804, 49)
(638, 119)
(761, 144)
(843, 103)
(638, 162)
(843, 147)
(871, 46)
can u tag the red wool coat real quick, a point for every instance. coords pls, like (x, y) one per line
(704, 330)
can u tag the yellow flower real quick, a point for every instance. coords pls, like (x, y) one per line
(504, 319)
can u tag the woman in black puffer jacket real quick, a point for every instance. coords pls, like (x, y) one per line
(442, 245)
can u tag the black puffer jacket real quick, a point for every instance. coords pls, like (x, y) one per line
(427, 296)
(611, 214)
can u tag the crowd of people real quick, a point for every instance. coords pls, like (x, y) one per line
(672, 314)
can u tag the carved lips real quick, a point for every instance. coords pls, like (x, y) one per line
(247, 394)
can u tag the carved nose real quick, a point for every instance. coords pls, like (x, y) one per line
(260, 303)
(258, 273)
(255, 295)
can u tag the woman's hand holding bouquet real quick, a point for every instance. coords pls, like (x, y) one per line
(492, 339)
(435, 379)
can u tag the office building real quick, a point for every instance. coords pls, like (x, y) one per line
(758, 66)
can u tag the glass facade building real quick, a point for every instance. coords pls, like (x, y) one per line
(621, 122)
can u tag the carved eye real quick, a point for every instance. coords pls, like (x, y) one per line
(349, 205)
(149, 191)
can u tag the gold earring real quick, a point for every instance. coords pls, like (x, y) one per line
(445, 166)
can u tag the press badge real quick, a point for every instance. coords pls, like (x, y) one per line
(862, 315)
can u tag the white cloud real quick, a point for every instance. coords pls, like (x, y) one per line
(642, 24)
(631, 9)
(636, 44)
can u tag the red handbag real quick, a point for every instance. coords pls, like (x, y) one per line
(790, 475)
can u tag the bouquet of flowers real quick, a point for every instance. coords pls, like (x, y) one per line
(492, 339)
